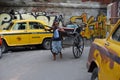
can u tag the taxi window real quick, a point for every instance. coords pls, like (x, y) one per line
(19, 26)
(116, 34)
(36, 25)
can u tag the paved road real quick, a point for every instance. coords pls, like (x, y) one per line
(38, 65)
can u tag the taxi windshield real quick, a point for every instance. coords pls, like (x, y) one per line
(9, 26)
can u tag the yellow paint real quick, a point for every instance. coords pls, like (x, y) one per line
(99, 26)
(27, 36)
(108, 65)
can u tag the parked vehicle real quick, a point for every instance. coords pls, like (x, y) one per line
(0, 48)
(25, 33)
(104, 56)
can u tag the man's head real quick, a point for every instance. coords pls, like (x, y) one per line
(56, 24)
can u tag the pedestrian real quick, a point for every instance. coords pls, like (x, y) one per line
(56, 46)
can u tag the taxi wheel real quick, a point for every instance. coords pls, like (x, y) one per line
(95, 74)
(0, 53)
(4, 48)
(47, 44)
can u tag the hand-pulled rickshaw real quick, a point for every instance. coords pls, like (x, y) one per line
(72, 38)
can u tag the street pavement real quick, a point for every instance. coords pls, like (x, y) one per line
(38, 65)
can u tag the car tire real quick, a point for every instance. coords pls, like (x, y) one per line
(95, 74)
(47, 44)
(4, 47)
(0, 53)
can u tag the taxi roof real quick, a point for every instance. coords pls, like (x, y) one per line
(29, 21)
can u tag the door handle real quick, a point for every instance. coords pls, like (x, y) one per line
(107, 43)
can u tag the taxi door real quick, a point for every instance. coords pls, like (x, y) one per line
(37, 32)
(19, 35)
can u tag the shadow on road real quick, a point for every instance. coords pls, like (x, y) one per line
(20, 49)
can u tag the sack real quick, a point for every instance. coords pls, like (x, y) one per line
(56, 34)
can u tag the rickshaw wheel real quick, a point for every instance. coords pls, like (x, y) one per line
(78, 46)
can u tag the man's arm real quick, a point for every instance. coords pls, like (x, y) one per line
(61, 29)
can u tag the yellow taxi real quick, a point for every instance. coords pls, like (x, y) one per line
(25, 33)
(104, 56)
